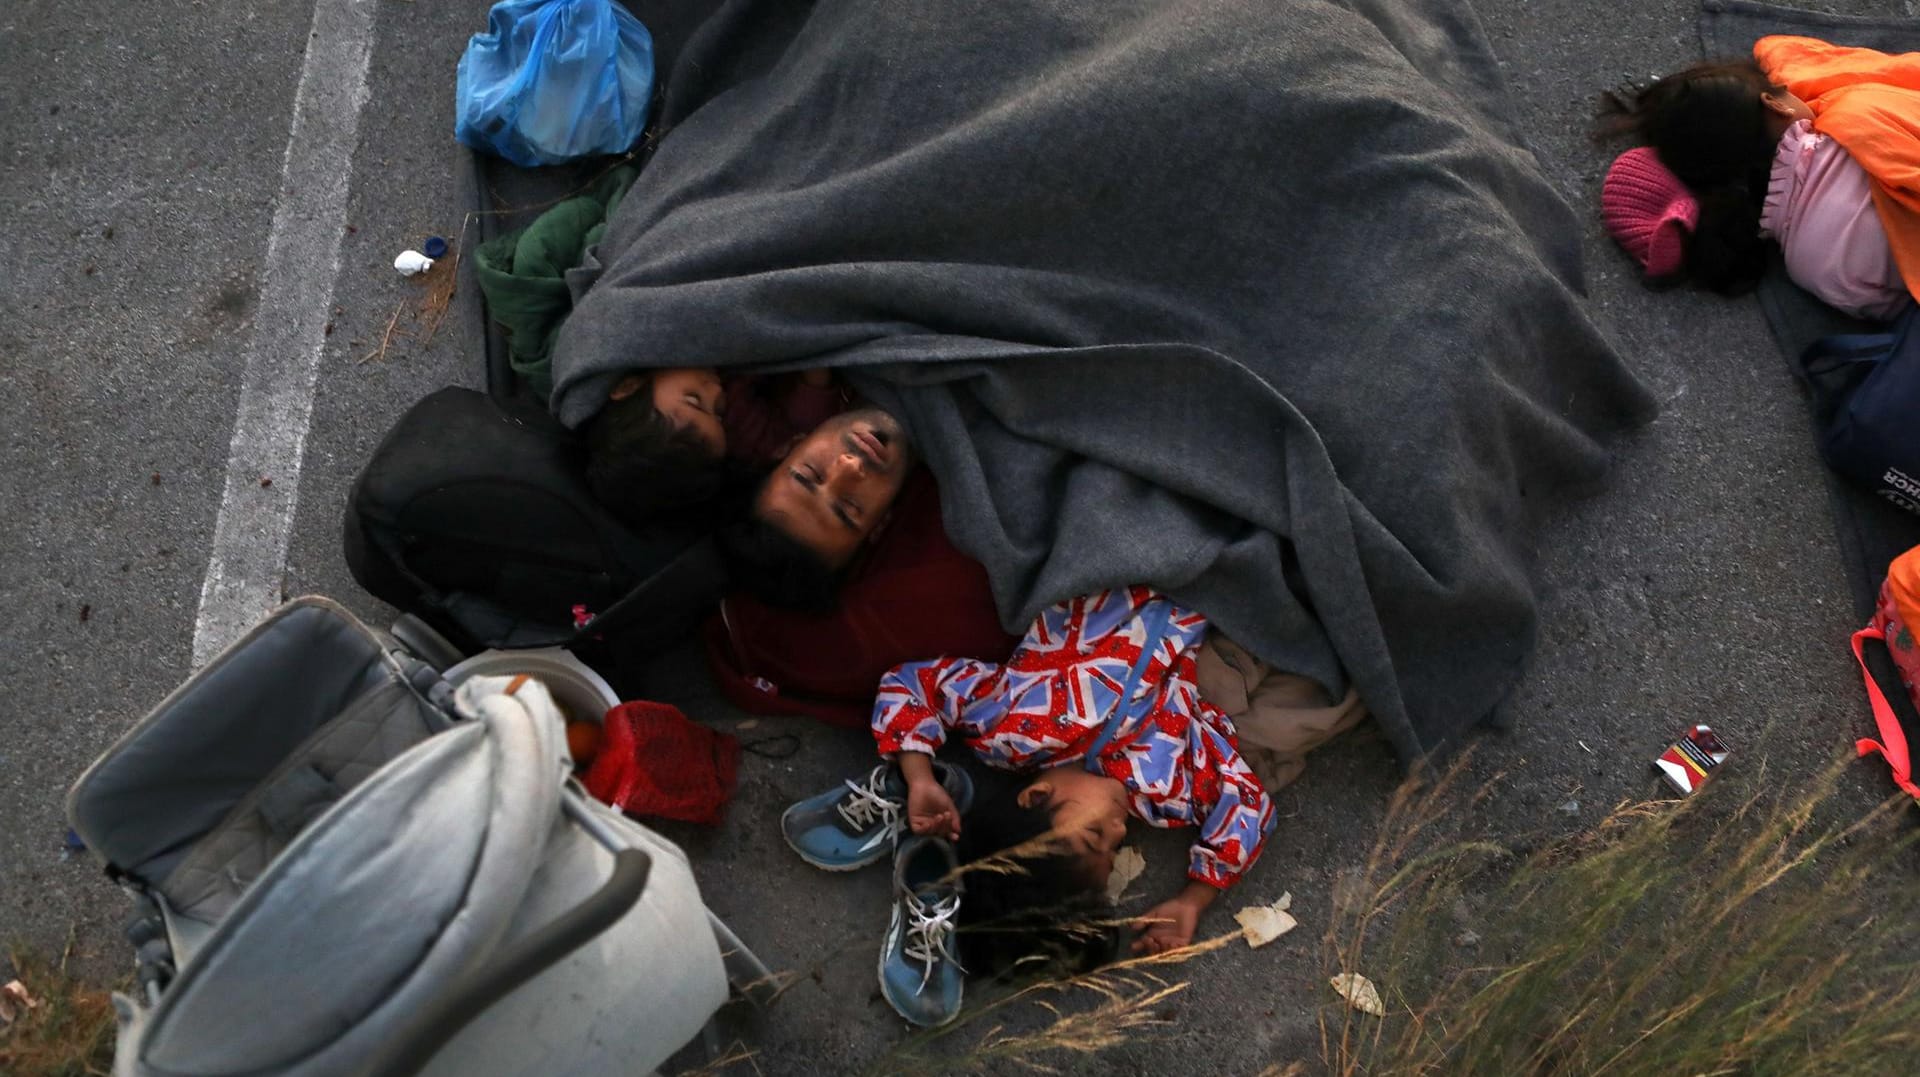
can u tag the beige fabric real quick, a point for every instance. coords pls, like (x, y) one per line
(1281, 716)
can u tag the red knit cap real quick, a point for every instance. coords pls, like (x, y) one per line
(1648, 211)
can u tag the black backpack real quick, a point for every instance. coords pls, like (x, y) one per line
(477, 519)
(1866, 393)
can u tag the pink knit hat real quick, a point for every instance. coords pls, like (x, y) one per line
(1648, 210)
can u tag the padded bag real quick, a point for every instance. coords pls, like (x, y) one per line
(479, 520)
(1889, 658)
(1866, 389)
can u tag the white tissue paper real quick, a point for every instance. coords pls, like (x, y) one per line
(411, 262)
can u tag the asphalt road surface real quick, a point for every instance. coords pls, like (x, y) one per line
(198, 210)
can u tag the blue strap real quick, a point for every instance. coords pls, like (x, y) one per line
(1123, 712)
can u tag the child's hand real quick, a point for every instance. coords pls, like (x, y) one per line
(1167, 926)
(930, 810)
(1170, 924)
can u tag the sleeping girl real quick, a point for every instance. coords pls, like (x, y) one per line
(1808, 145)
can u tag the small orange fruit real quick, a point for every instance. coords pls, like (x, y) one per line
(583, 741)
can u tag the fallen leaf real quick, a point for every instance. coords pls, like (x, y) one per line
(1359, 993)
(1127, 866)
(1265, 923)
(14, 1001)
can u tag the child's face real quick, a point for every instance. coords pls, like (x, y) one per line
(691, 398)
(1089, 813)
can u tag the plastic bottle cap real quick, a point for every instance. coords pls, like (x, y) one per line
(435, 247)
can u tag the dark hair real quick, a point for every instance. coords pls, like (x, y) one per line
(639, 465)
(1709, 126)
(771, 566)
(1030, 913)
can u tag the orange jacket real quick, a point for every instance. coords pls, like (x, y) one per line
(1903, 586)
(1869, 102)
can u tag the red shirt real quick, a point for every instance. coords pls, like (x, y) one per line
(915, 597)
(765, 414)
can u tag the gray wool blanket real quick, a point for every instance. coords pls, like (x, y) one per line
(1260, 302)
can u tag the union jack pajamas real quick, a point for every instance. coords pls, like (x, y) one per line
(1065, 683)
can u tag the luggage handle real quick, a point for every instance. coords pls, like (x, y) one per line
(520, 961)
(1892, 744)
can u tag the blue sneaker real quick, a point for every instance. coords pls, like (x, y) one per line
(858, 823)
(919, 975)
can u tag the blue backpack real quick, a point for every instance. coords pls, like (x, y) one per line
(1866, 396)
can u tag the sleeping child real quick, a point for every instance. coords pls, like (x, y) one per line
(666, 438)
(1101, 703)
(1808, 145)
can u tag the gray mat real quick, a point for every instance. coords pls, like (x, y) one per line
(1872, 532)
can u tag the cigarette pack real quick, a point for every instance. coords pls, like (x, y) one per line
(1692, 759)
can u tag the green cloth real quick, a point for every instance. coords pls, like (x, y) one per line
(523, 273)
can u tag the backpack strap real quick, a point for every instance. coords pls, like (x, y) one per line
(1892, 744)
(1124, 711)
(668, 605)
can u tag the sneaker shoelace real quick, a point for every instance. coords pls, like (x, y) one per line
(865, 806)
(929, 935)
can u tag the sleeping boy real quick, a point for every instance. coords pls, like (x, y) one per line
(665, 438)
(1102, 699)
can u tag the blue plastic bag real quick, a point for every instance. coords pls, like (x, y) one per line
(553, 80)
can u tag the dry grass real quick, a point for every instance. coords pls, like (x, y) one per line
(1033, 1022)
(70, 1032)
(1084, 1015)
(1747, 930)
(424, 310)
(1734, 933)
(1726, 934)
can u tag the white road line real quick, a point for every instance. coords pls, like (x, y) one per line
(249, 558)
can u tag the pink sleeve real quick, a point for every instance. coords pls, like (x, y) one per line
(1820, 207)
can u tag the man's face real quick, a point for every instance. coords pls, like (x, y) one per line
(837, 484)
